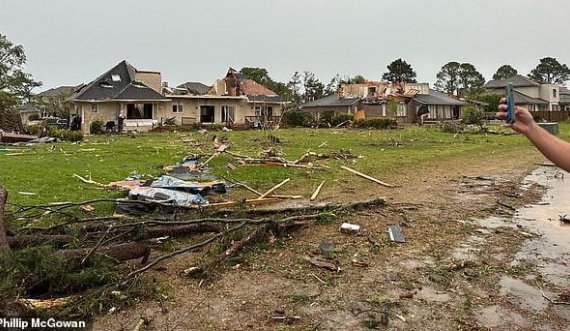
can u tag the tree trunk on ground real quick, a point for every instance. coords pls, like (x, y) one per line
(120, 252)
(3, 240)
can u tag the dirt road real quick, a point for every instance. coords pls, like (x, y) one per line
(476, 256)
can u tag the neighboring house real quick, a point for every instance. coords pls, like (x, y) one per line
(527, 93)
(125, 89)
(564, 98)
(384, 99)
(49, 103)
(248, 102)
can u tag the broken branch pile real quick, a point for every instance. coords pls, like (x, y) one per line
(83, 243)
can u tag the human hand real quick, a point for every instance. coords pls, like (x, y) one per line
(523, 118)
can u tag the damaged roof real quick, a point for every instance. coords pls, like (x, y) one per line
(437, 98)
(331, 101)
(58, 91)
(236, 84)
(118, 84)
(517, 80)
(196, 88)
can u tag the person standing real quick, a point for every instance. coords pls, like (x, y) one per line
(120, 122)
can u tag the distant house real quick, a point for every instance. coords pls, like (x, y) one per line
(564, 98)
(122, 88)
(528, 93)
(383, 99)
(49, 103)
(231, 101)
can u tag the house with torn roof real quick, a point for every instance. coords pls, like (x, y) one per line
(231, 101)
(534, 96)
(125, 89)
(384, 99)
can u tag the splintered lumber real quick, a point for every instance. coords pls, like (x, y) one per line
(317, 191)
(367, 177)
(88, 181)
(45, 304)
(271, 190)
(4, 246)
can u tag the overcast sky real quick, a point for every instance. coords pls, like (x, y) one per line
(69, 42)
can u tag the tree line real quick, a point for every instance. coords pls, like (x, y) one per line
(453, 78)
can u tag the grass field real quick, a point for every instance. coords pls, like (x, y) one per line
(44, 173)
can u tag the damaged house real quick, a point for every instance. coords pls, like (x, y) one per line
(125, 89)
(404, 101)
(233, 101)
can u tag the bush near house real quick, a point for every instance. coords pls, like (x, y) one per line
(377, 123)
(96, 127)
(341, 118)
(473, 115)
(33, 129)
(298, 119)
(64, 134)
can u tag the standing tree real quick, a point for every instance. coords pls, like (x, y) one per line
(458, 78)
(357, 79)
(332, 87)
(15, 85)
(294, 87)
(399, 71)
(505, 71)
(312, 87)
(549, 70)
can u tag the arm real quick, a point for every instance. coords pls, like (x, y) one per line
(554, 148)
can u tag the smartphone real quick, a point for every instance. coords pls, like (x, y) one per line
(510, 104)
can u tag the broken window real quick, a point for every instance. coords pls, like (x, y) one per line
(94, 108)
(105, 84)
(116, 77)
(207, 114)
(228, 113)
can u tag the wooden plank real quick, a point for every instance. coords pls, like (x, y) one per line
(367, 177)
(317, 191)
(274, 188)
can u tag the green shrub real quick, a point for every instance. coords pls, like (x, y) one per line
(473, 115)
(377, 123)
(33, 129)
(341, 118)
(64, 134)
(96, 127)
(298, 118)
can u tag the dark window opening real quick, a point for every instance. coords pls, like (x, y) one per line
(138, 111)
(207, 114)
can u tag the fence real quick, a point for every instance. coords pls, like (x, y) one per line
(552, 116)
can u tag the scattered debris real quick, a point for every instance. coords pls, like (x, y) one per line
(87, 208)
(367, 177)
(326, 247)
(317, 191)
(350, 228)
(563, 219)
(324, 264)
(396, 234)
(274, 188)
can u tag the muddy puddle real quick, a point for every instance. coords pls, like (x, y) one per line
(551, 251)
(547, 249)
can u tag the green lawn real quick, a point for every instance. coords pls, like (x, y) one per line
(46, 170)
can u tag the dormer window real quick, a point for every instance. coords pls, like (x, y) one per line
(116, 78)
